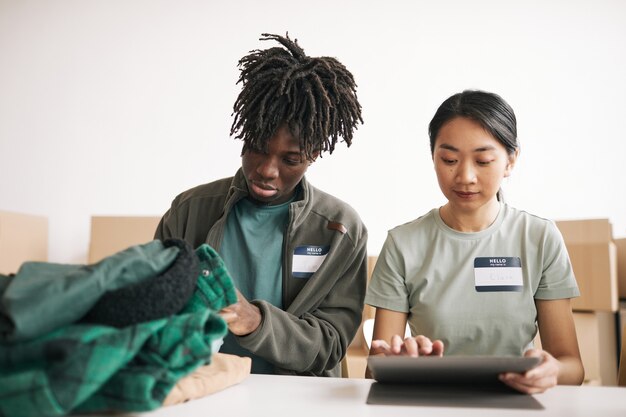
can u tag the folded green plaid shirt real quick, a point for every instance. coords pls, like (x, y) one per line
(87, 368)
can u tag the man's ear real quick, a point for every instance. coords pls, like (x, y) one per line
(511, 163)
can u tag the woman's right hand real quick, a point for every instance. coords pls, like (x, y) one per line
(411, 346)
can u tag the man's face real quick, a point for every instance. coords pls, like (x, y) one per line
(272, 177)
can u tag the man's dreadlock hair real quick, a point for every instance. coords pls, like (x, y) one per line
(314, 96)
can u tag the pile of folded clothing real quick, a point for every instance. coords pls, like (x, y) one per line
(138, 330)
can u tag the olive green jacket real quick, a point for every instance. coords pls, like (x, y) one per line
(323, 312)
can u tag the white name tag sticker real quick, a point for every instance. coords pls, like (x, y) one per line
(307, 260)
(496, 274)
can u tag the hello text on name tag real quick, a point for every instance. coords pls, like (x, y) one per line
(307, 260)
(495, 274)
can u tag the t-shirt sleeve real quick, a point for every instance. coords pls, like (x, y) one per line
(557, 278)
(387, 288)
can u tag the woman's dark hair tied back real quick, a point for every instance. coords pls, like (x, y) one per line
(489, 109)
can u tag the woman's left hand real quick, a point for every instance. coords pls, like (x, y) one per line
(538, 379)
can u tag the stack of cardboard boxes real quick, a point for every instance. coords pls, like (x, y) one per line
(594, 257)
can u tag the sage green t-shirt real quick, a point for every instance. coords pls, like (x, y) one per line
(252, 252)
(474, 291)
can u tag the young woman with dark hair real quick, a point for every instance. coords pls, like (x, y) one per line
(477, 276)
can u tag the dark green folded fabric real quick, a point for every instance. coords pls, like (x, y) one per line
(89, 368)
(44, 296)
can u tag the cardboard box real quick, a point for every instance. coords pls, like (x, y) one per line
(368, 311)
(621, 376)
(355, 362)
(111, 234)
(597, 342)
(620, 244)
(621, 316)
(23, 237)
(598, 346)
(594, 259)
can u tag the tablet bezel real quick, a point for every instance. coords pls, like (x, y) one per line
(446, 369)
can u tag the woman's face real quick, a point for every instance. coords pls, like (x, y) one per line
(470, 164)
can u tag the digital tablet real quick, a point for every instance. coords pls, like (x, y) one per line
(446, 369)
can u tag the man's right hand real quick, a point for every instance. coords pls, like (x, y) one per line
(242, 317)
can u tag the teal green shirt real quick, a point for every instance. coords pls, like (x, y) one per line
(252, 252)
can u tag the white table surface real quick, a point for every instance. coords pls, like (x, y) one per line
(277, 396)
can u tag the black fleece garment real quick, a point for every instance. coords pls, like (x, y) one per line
(151, 299)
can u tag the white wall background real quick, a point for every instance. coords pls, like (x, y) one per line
(114, 107)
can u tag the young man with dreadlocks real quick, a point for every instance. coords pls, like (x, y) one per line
(297, 253)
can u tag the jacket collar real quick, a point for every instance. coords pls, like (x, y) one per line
(298, 210)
